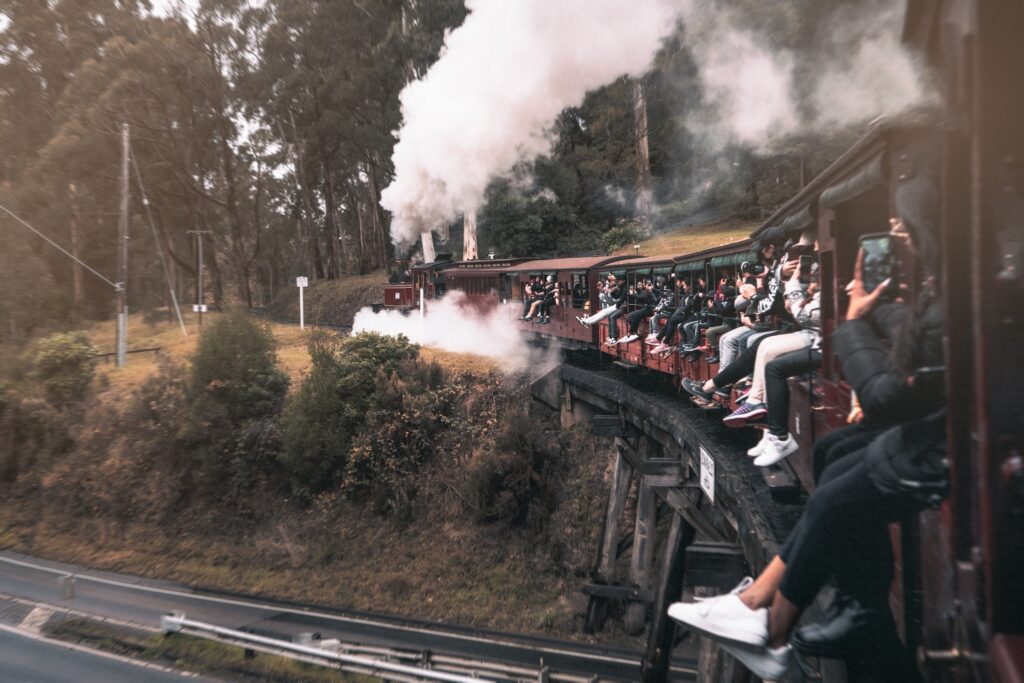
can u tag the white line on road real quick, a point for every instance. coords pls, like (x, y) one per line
(333, 617)
(94, 653)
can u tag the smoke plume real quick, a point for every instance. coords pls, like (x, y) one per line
(502, 79)
(453, 325)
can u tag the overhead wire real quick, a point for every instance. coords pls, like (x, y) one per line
(60, 248)
(156, 239)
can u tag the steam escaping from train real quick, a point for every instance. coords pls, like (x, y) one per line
(758, 89)
(451, 324)
(502, 79)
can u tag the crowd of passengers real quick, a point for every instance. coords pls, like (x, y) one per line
(885, 466)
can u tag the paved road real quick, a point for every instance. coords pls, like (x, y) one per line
(28, 660)
(142, 601)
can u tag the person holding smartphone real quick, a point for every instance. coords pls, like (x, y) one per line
(843, 532)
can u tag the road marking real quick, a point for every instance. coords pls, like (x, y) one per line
(333, 617)
(95, 653)
(35, 620)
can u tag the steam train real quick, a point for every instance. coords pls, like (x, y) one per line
(961, 597)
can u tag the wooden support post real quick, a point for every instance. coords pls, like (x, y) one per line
(660, 641)
(621, 481)
(643, 554)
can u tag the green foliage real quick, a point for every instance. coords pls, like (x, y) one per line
(65, 365)
(322, 418)
(625, 233)
(410, 408)
(507, 480)
(236, 394)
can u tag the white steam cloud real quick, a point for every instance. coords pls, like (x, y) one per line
(502, 79)
(750, 86)
(453, 324)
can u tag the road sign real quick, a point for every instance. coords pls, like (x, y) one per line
(707, 474)
(302, 282)
(199, 308)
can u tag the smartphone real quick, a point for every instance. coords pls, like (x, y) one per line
(805, 269)
(879, 260)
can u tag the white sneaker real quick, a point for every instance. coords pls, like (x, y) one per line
(629, 338)
(725, 617)
(776, 450)
(769, 664)
(759, 448)
(611, 341)
(651, 339)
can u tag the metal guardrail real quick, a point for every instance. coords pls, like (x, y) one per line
(175, 622)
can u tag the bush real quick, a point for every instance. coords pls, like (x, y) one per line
(507, 480)
(235, 368)
(625, 233)
(408, 410)
(321, 420)
(236, 392)
(65, 365)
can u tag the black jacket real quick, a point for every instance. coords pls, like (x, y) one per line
(913, 450)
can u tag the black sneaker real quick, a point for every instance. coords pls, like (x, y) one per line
(695, 388)
(712, 359)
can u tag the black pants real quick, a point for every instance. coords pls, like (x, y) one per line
(844, 531)
(776, 385)
(636, 316)
(839, 443)
(674, 321)
(613, 322)
(742, 366)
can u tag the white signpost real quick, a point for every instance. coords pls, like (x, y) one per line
(707, 474)
(302, 283)
(199, 308)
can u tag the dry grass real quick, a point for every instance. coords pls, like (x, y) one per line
(695, 238)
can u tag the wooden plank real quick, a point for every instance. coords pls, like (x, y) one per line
(641, 562)
(661, 639)
(621, 483)
(622, 593)
(719, 566)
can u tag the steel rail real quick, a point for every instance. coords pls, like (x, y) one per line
(174, 623)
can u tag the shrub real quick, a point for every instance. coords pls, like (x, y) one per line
(332, 403)
(235, 368)
(65, 365)
(507, 480)
(236, 393)
(408, 410)
(625, 233)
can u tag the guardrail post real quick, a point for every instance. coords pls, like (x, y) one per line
(66, 586)
(170, 622)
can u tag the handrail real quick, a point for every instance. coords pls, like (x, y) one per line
(174, 622)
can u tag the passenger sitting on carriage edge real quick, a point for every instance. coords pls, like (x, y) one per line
(663, 311)
(778, 358)
(607, 300)
(625, 302)
(646, 298)
(843, 532)
(531, 293)
(698, 317)
(723, 312)
(768, 305)
(683, 310)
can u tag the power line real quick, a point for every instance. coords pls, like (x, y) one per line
(156, 238)
(60, 248)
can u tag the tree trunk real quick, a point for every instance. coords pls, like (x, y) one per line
(644, 200)
(331, 225)
(469, 248)
(380, 225)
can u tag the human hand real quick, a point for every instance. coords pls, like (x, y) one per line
(862, 301)
(789, 267)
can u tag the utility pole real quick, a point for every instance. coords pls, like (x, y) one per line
(200, 306)
(122, 270)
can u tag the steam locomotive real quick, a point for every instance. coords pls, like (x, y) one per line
(961, 589)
